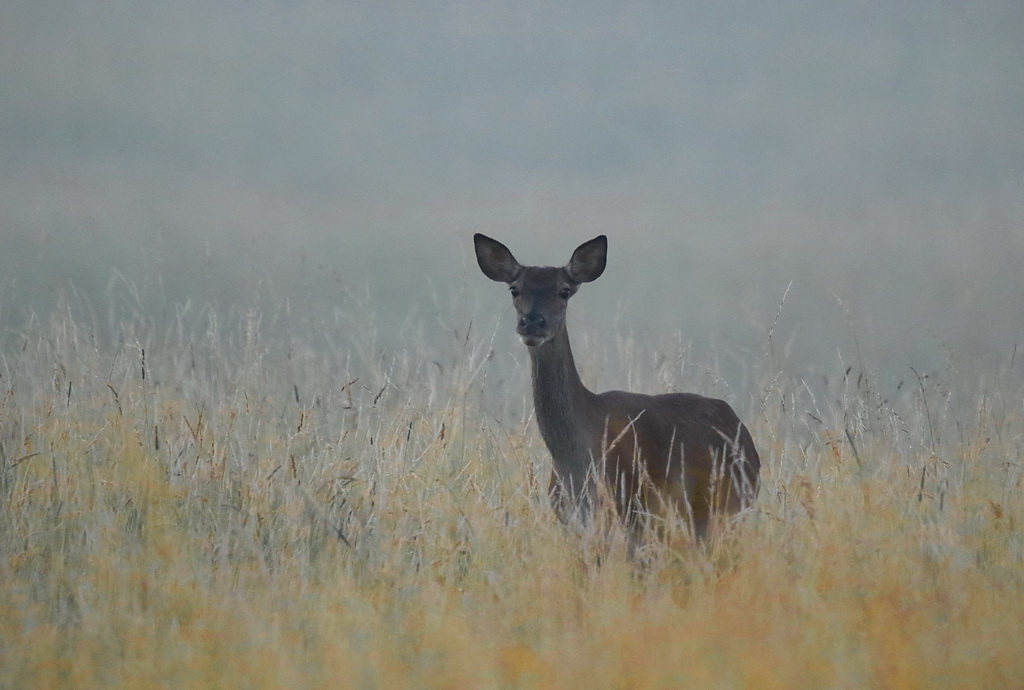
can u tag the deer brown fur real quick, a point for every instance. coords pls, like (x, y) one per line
(677, 452)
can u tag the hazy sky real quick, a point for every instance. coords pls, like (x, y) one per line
(870, 154)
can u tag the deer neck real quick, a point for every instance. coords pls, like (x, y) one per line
(562, 405)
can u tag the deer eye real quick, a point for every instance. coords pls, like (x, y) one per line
(514, 290)
(566, 293)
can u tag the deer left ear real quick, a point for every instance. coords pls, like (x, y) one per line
(495, 260)
(588, 261)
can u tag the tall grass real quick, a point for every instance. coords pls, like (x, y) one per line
(191, 503)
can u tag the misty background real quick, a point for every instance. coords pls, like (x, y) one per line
(305, 159)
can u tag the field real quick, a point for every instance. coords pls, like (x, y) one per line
(194, 503)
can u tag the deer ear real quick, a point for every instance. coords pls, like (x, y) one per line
(495, 260)
(588, 261)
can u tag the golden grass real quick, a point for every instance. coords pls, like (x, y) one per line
(211, 531)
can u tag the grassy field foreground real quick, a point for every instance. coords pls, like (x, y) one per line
(194, 507)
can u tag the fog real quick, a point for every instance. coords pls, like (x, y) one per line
(865, 160)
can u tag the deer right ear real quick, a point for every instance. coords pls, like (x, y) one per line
(495, 260)
(588, 261)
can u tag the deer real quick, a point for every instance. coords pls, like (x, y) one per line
(679, 454)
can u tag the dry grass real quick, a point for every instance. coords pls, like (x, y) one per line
(218, 513)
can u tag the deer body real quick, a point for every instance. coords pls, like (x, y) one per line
(678, 452)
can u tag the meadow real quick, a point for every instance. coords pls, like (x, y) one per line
(197, 501)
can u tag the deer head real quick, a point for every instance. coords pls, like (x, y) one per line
(540, 294)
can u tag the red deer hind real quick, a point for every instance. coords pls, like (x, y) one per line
(677, 452)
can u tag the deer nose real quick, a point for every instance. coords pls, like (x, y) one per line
(533, 321)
